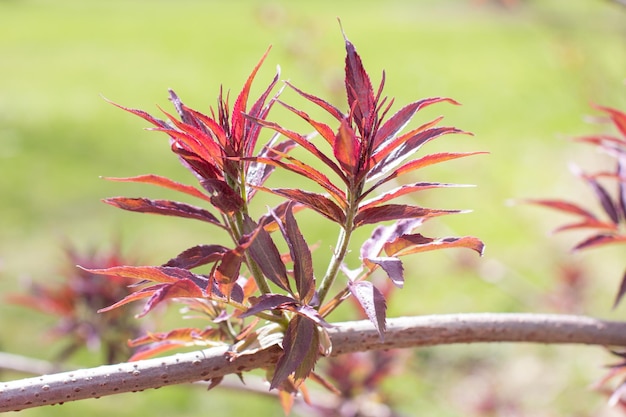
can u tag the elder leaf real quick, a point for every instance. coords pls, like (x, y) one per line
(222, 196)
(418, 164)
(403, 190)
(413, 243)
(301, 256)
(258, 172)
(184, 288)
(373, 246)
(300, 352)
(317, 202)
(600, 240)
(269, 302)
(361, 97)
(163, 207)
(563, 206)
(618, 118)
(398, 149)
(373, 303)
(238, 119)
(163, 182)
(347, 149)
(265, 253)
(605, 199)
(197, 256)
(402, 117)
(383, 213)
(391, 265)
(163, 274)
(332, 110)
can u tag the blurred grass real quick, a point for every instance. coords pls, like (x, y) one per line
(525, 76)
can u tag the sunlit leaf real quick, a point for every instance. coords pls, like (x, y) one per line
(222, 196)
(618, 117)
(359, 89)
(381, 235)
(163, 207)
(259, 172)
(268, 302)
(396, 212)
(403, 190)
(400, 148)
(563, 206)
(605, 199)
(332, 110)
(347, 149)
(414, 243)
(165, 183)
(391, 265)
(317, 202)
(197, 256)
(373, 303)
(418, 164)
(401, 118)
(600, 240)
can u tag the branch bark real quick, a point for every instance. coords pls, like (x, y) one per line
(346, 337)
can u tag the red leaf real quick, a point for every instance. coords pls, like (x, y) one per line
(360, 92)
(395, 212)
(391, 155)
(304, 142)
(311, 173)
(164, 207)
(414, 243)
(195, 139)
(619, 118)
(257, 172)
(373, 303)
(399, 120)
(269, 302)
(165, 183)
(403, 190)
(301, 256)
(318, 202)
(197, 256)
(600, 240)
(563, 206)
(347, 149)
(264, 252)
(259, 110)
(238, 120)
(391, 265)
(183, 288)
(605, 199)
(301, 351)
(144, 115)
(373, 246)
(334, 111)
(418, 164)
(164, 274)
(322, 128)
(223, 197)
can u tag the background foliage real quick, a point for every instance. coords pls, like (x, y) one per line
(525, 74)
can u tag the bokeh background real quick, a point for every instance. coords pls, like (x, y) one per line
(525, 71)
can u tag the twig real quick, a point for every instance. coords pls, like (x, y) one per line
(346, 337)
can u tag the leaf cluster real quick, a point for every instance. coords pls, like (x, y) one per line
(252, 295)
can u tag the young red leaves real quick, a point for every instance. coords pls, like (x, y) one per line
(611, 229)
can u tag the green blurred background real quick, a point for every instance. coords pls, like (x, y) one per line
(526, 75)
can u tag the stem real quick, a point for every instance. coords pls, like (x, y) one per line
(333, 268)
(341, 249)
(346, 337)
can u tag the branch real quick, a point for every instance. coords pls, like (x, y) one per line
(346, 337)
